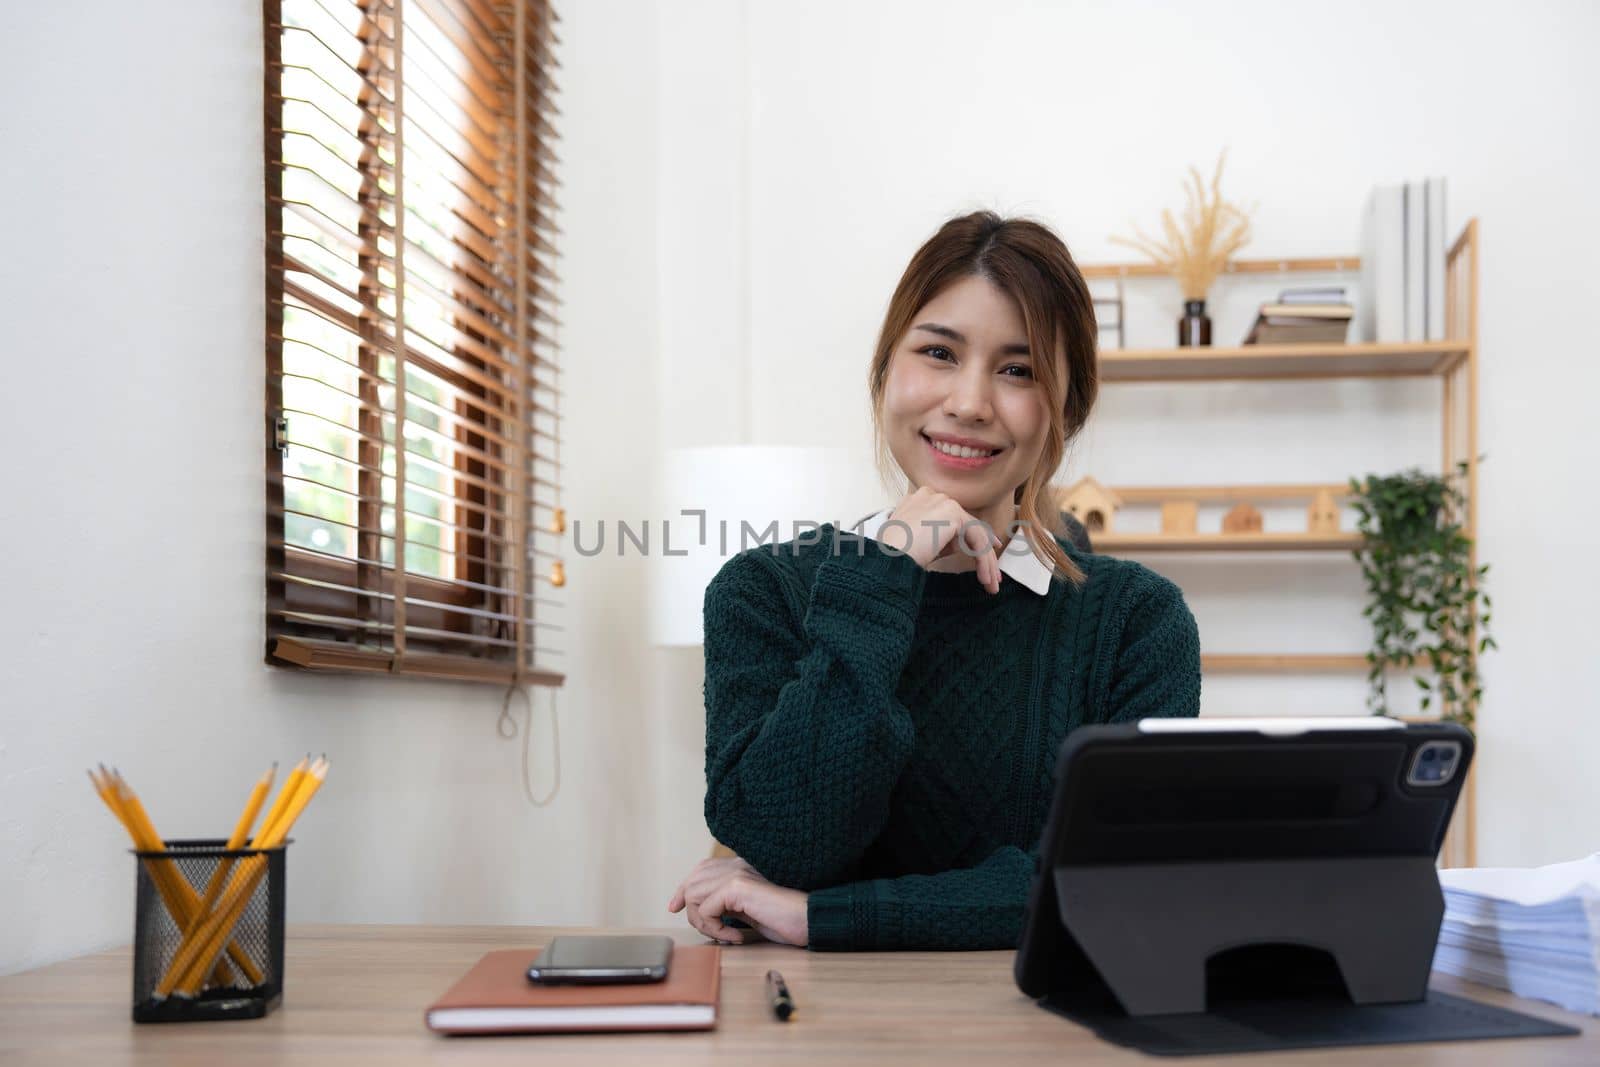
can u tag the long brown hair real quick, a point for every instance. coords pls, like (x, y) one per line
(1028, 262)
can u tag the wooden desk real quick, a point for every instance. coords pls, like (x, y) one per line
(355, 994)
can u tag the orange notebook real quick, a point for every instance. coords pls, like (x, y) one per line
(495, 997)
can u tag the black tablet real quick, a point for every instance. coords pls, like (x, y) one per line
(1162, 797)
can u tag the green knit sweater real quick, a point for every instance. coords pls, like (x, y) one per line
(885, 737)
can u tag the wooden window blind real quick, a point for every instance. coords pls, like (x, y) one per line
(413, 388)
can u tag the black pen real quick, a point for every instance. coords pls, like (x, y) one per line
(782, 1002)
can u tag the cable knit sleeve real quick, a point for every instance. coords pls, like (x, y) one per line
(976, 907)
(1155, 669)
(804, 737)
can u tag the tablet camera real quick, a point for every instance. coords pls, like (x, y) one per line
(1434, 763)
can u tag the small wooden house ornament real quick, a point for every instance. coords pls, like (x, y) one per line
(1180, 517)
(1092, 504)
(1323, 515)
(1243, 519)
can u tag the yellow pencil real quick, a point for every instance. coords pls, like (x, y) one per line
(160, 873)
(168, 882)
(111, 791)
(192, 930)
(193, 939)
(308, 788)
(104, 790)
(241, 834)
(188, 900)
(192, 962)
(188, 970)
(180, 897)
(280, 804)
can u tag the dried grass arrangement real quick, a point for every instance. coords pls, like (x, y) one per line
(1213, 230)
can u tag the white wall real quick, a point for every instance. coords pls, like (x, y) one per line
(744, 182)
(131, 318)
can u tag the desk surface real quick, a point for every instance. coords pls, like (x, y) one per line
(355, 994)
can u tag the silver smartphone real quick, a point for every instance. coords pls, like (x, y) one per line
(601, 959)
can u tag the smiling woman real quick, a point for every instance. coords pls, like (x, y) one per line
(988, 379)
(988, 346)
(883, 707)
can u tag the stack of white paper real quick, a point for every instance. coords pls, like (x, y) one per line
(1535, 932)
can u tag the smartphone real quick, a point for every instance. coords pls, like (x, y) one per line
(602, 959)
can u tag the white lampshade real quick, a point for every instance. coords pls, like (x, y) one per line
(735, 484)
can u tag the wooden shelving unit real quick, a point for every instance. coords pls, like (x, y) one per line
(1220, 542)
(1453, 362)
(1238, 266)
(1417, 359)
(1286, 664)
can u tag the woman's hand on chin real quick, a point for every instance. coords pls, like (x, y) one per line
(721, 887)
(939, 527)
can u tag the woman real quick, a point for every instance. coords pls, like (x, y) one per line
(883, 709)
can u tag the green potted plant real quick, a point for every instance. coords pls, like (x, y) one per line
(1422, 593)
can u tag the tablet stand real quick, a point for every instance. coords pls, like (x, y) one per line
(1151, 931)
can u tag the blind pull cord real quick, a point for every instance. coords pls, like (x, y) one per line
(506, 727)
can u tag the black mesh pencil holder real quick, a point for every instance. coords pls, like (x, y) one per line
(244, 976)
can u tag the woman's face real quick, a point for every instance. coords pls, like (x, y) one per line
(963, 374)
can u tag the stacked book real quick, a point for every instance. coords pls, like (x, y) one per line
(1303, 316)
(1403, 263)
(1534, 932)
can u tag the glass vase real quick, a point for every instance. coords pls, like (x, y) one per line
(1195, 326)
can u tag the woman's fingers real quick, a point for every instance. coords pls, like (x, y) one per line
(975, 539)
(703, 880)
(719, 889)
(723, 899)
(708, 920)
(978, 541)
(705, 874)
(756, 931)
(699, 884)
(715, 929)
(710, 892)
(680, 896)
(938, 526)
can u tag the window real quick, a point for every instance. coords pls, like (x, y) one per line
(413, 490)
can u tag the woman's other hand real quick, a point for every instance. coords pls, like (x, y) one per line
(938, 527)
(718, 887)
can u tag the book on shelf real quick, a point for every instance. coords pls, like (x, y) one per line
(1290, 323)
(1434, 225)
(1314, 294)
(1308, 311)
(1403, 263)
(1285, 331)
(1383, 255)
(1416, 243)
